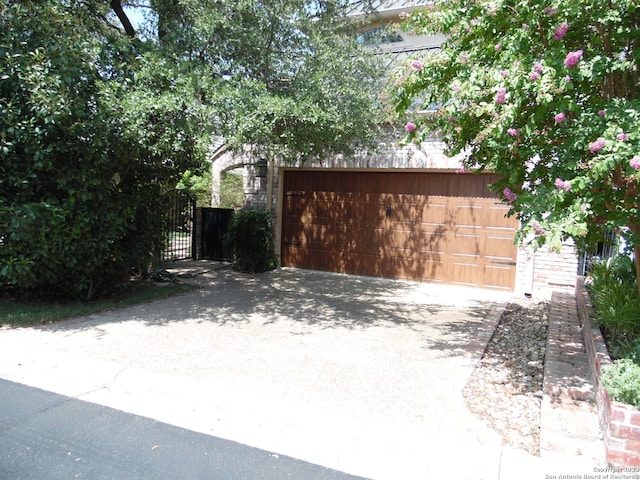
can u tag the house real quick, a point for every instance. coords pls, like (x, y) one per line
(404, 211)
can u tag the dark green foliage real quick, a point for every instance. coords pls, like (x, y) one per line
(614, 294)
(250, 239)
(285, 76)
(79, 184)
(615, 298)
(95, 124)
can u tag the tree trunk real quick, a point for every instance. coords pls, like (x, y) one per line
(636, 260)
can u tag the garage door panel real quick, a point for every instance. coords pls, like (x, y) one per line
(436, 212)
(496, 215)
(424, 226)
(469, 214)
(304, 257)
(432, 241)
(494, 277)
(467, 244)
(414, 268)
(465, 273)
(500, 247)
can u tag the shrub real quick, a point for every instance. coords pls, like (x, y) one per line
(622, 381)
(86, 145)
(627, 348)
(614, 294)
(250, 240)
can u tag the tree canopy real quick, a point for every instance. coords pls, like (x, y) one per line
(544, 94)
(285, 77)
(95, 121)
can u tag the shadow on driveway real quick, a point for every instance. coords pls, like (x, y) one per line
(319, 300)
(359, 374)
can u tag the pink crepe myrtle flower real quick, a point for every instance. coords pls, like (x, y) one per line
(497, 47)
(417, 64)
(501, 96)
(562, 185)
(461, 170)
(635, 163)
(601, 113)
(464, 58)
(561, 31)
(410, 127)
(509, 195)
(537, 228)
(504, 73)
(513, 132)
(573, 58)
(622, 137)
(560, 117)
(533, 76)
(538, 68)
(567, 79)
(551, 11)
(597, 145)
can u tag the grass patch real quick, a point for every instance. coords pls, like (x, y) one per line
(37, 311)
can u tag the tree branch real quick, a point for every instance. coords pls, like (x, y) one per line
(116, 5)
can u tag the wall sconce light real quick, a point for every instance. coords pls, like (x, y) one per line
(261, 168)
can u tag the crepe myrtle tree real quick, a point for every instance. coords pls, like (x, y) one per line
(545, 94)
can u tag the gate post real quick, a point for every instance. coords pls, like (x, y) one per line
(197, 234)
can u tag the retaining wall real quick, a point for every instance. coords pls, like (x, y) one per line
(619, 423)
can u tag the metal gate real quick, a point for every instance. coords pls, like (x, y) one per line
(179, 226)
(215, 224)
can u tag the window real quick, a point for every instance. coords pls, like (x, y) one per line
(378, 35)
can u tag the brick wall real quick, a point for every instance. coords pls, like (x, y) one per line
(555, 271)
(540, 272)
(619, 423)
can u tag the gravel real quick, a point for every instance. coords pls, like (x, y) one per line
(505, 389)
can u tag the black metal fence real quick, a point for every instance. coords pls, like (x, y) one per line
(179, 226)
(607, 248)
(215, 224)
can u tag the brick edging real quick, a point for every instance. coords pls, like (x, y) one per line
(619, 423)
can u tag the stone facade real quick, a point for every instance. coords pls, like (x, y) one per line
(254, 188)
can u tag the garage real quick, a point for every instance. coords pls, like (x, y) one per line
(426, 226)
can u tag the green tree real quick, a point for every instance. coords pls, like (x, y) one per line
(284, 76)
(544, 94)
(231, 190)
(198, 184)
(83, 151)
(96, 122)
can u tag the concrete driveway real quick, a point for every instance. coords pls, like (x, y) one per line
(358, 374)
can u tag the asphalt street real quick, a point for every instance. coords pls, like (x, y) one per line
(46, 436)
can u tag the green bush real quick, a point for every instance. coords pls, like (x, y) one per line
(86, 146)
(622, 381)
(250, 239)
(627, 348)
(614, 294)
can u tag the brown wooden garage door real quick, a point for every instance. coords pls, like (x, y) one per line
(442, 227)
